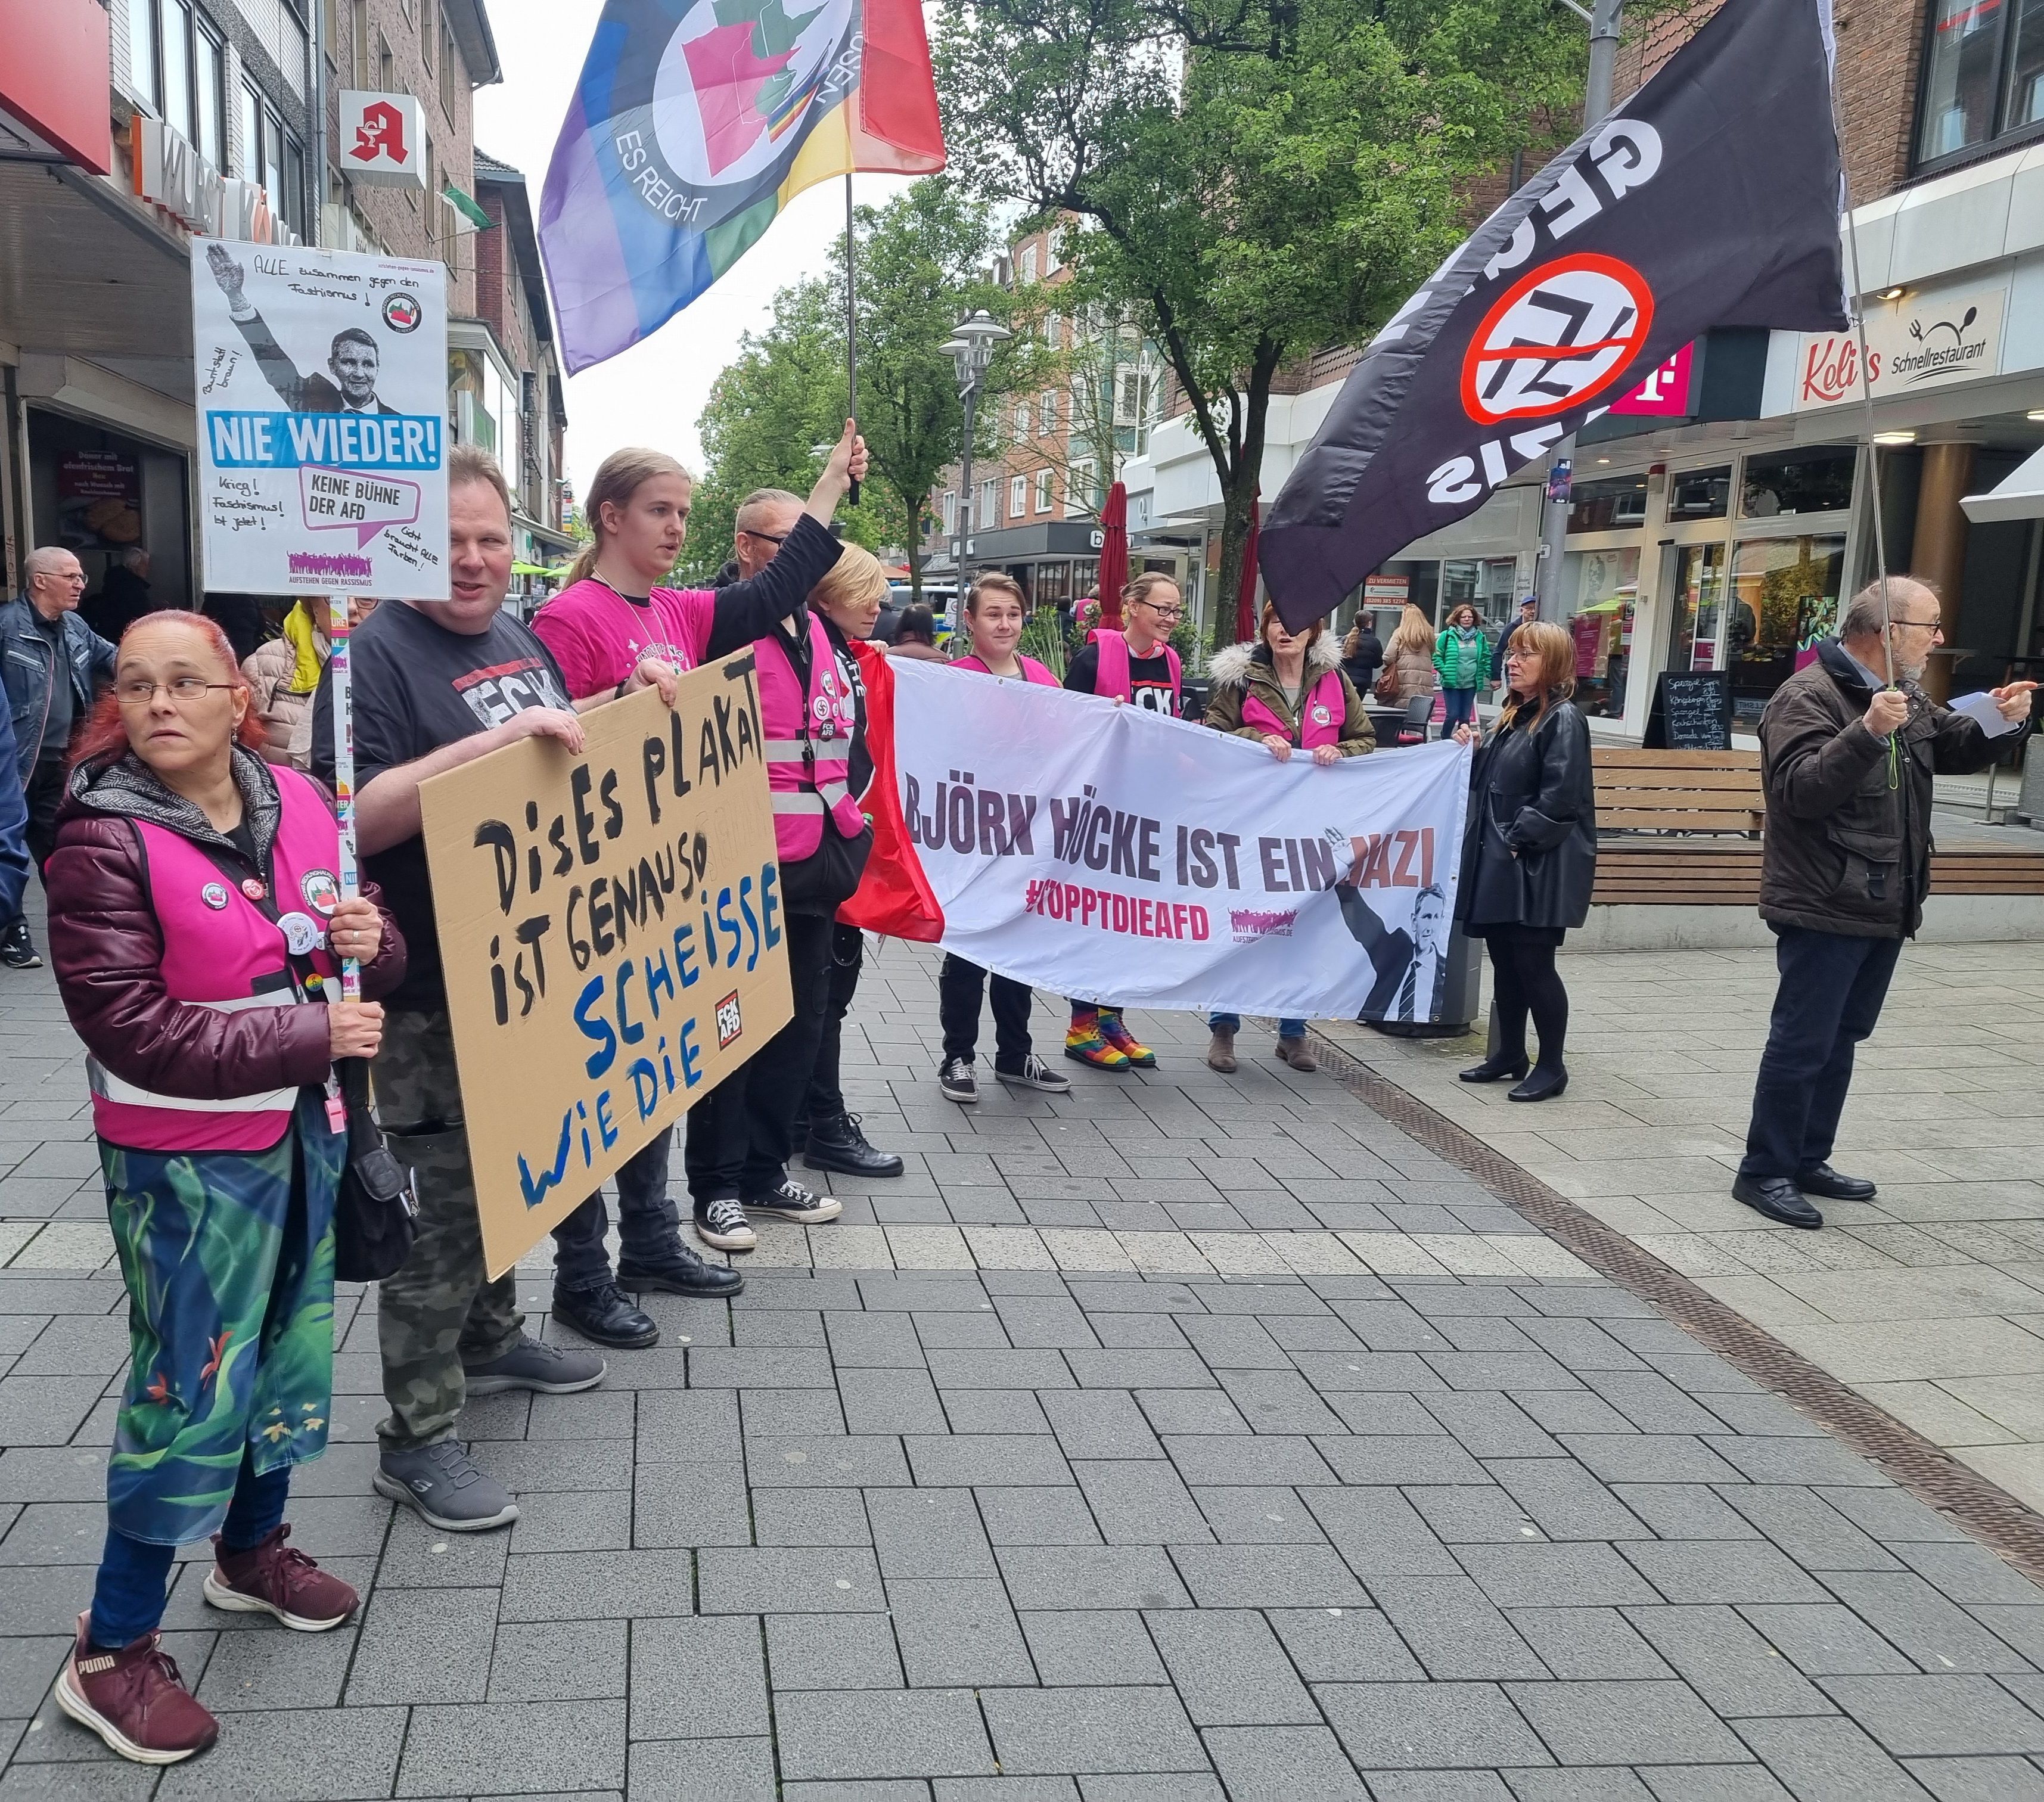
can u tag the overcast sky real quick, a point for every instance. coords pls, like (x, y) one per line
(652, 394)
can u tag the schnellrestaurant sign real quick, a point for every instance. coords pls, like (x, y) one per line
(1915, 342)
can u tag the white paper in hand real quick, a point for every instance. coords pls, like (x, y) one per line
(1980, 709)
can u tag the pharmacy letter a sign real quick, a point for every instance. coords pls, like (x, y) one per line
(322, 418)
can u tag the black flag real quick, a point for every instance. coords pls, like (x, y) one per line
(1710, 197)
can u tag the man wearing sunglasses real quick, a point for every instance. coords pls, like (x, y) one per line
(1847, 756)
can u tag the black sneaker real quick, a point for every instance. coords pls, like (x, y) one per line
(1033, 1073)
(607, 1316)
(956, 1082)
(793, 1202)
(722, 1225)
(839, 1145)
(681, 1273)
(18, 950)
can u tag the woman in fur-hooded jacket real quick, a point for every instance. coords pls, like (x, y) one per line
(1288, 692)
(1302, 701)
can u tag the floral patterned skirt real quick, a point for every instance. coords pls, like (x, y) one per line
(229, 1259)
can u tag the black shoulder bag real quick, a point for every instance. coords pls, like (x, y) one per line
(376, 1213)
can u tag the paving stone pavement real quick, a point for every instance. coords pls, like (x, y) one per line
(1190, 1437)
(1928, 1299)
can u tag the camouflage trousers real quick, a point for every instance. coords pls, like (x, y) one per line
(439, 1309)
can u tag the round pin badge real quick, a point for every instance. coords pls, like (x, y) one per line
(302, 933)
(321, 892)
(1321, 716)
(253, 888)
(214, 895)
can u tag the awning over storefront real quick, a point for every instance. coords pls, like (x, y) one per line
(2019, 495)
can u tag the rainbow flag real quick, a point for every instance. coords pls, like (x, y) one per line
(695, 122)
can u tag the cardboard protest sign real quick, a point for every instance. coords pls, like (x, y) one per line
(613, 930)
(322, 402)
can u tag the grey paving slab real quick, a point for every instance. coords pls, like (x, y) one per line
(1014, 1534)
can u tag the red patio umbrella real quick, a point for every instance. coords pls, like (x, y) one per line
(1113, 554)
(1245, 600)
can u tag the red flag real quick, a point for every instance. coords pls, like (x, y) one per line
(1113, 554)
(894, 898)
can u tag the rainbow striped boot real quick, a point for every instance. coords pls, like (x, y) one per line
(1138, 1054)
(1086, 1041)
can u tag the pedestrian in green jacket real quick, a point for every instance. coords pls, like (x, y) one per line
(1462, 653)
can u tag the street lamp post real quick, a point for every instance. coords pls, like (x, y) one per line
(1603, 17)
(971, 347)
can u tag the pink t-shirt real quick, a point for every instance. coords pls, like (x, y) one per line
(599, 638)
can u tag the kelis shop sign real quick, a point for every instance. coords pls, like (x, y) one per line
(1914, 343)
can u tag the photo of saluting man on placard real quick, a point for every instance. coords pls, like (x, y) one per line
(354, 362)
(1411, 961)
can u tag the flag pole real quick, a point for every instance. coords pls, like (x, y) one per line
(1866, 381)
(851, 327)
(343, 775)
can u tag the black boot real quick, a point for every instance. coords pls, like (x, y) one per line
(839, 1145)
(607, 1316)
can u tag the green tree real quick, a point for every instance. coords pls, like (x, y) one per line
(919, 267)
(1254, 180)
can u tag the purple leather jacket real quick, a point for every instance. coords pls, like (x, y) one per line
(107, 947)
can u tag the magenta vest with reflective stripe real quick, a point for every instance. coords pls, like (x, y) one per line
(220, 952)
(1031, 669)
(803, 791)
(1114, 678)
(1321, 711)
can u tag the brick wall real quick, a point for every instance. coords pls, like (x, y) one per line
(405, 222)
(1880, 45)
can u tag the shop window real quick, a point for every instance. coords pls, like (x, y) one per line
(1054, 582)
(177, 49)
(1699, 493)
(142, 50)
(1698, 617)
(1486, 584)
(1608, 505)
(1816, 481)
(1983, 75)
(1784, 597)
(209, 68)
(1604, 585)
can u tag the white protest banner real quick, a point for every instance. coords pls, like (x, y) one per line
(322, 405)
(1112, 854)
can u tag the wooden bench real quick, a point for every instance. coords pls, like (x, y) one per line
(1683, 829)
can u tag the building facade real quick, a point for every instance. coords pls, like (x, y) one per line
(1720, 526)
(129, 128)
(1062, 440)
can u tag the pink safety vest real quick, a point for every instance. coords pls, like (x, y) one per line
(1321, 713)
(221, 952)
(809, 745)
(1114, 678)
(1031, 669)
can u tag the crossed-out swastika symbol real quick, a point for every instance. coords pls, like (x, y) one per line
(1560, 335)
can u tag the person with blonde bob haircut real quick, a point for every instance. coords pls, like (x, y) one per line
(1529, 853)
(615, 616)
(848, 600)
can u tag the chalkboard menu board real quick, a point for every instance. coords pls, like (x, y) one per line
(1692, 712)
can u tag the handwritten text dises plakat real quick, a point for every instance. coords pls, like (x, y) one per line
(613, 929)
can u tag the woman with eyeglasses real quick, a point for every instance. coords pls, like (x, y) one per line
(195, 924)
(1529, 853)
(1136, 665)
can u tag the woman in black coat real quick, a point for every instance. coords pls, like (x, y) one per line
(1529, 853)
